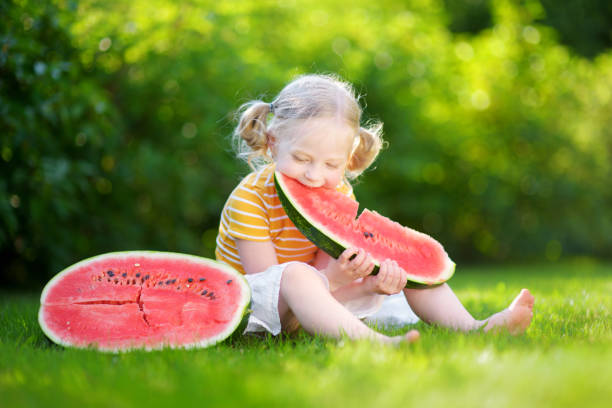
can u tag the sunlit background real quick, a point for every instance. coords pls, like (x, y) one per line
(115, 119)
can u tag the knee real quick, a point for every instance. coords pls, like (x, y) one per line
(300, 275)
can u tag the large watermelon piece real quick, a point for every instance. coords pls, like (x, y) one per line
(329, 219)
(143, 300)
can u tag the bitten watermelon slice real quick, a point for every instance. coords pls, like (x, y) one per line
(143, 300)
(329, 219)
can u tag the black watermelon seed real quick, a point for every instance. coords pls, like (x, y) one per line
(202, 279)
(204, 292)
(160, 283)
(211, 294)
(146, 277)
(229, 281)
(190, 280)
(138, 275)
(110, 273)
(173, 280)
(168, 282)
(124, 274)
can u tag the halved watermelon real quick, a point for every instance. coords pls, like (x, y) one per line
(329, 219)
(143, 300)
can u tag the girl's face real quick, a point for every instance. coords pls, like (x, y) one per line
(319, 153)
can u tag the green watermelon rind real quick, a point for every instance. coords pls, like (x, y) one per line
(238, 323)
(333, 245)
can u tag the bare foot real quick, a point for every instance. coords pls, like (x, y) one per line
(410, 337)
(516, 318)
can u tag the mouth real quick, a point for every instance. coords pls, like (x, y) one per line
(310, 184)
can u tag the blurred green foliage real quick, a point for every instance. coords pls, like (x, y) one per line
(468, 16)
(583, 25)
(115, 117)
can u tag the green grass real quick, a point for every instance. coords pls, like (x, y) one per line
(564, 359)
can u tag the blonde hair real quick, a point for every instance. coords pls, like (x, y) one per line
(306, 97)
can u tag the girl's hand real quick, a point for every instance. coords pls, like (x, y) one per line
(345, 270)
(391, 279)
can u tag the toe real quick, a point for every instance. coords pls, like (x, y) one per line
(412, 336)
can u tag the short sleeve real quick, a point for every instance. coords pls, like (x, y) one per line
(247, 217)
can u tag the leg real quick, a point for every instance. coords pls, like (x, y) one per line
(303, 295)
(440, 305)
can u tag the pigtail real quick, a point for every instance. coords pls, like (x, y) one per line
(368, 144)
(250, 136)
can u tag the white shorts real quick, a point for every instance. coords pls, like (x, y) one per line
(265, 289)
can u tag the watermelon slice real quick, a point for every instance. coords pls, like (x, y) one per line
(143, 300)
(329, 219)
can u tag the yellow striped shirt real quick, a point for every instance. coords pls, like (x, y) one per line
(253, 212)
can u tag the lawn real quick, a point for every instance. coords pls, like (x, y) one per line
(564, 359)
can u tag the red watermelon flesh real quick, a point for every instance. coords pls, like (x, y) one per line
(330, 220)
(143, 299)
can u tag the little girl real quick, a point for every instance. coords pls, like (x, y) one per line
(311, 132)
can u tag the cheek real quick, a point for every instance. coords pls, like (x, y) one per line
(334, 178)
(288, 166)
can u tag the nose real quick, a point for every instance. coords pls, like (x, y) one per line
(313, 173)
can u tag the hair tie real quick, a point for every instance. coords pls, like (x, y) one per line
(271, 108)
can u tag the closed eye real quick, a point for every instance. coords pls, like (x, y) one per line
(300, 159)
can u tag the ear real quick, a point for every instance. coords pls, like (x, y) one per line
(271, 141)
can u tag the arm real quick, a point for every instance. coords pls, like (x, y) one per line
(256, 256)
(390, 279)
(321, 259)
(350, 266)
(345, 287)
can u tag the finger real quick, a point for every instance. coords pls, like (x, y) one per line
(385, 272)
(395, 277)
(403, 277)
(347, 254)
(371, 268)
(396, 274)
(362, 265)
(404, 281)
(382, 270)
(358, 260)
(400, 277)
(366, 267)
